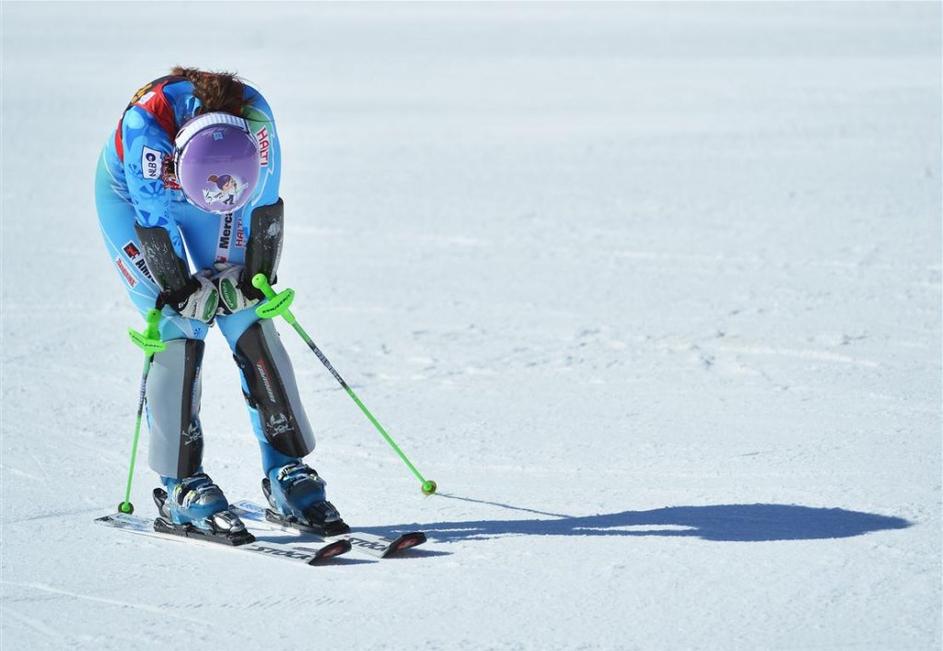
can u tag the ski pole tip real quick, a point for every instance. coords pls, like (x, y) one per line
(126, 507)
(259, 281)
(428, 487)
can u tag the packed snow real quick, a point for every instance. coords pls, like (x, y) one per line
(652, 291)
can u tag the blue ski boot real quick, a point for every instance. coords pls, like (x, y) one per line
(197, 508)
(296, 495)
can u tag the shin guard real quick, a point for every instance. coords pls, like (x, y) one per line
(173, 409)
(271, 390)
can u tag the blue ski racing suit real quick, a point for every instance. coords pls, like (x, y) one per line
(150, 230)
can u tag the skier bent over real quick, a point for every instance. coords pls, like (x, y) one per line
(193, 168)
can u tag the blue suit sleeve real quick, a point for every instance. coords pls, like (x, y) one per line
(262, 124)
(145, 146)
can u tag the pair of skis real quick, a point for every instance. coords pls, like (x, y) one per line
(272, 537)
(275, 540)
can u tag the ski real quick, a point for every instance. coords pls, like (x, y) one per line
(366, 543)
(265, 543)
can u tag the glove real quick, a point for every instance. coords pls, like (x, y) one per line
(198, 299)
(235, 293)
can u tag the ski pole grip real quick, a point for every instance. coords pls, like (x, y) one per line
(260, 282)
(277, 304)
(153, 322)
(149, 340)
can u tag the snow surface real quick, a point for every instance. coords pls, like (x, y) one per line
(652, 291)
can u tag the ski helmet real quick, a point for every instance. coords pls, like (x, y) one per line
(217, 162)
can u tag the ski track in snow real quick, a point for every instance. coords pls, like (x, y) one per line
(651, 290)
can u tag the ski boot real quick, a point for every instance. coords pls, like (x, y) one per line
(296, 495)
(197, 508)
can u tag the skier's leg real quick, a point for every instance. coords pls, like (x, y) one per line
(173, 387)
(268, 384)
(292, 488)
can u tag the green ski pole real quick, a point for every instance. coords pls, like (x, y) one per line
(278, 305)
(148, 341)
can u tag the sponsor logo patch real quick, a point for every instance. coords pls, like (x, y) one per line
(263, 375)
(369, 544)
(278, 424)
(240, 235)
(192, 434)
(264, 145)
(129, 278)
(228, 292)
(209, 309)
(151, 163)
(280, 552)
(131, 250)
(225, 238)
(134, 255)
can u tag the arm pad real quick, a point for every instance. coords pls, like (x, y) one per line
(265, 244)
(170, 272)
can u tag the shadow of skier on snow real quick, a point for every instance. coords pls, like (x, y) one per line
(722, 523)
